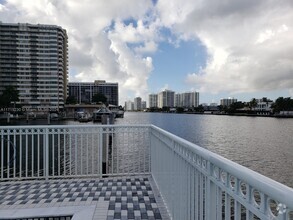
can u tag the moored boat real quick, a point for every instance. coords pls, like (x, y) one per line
(104, 111)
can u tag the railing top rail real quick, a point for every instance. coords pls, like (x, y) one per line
(72, 126)
(270, 187)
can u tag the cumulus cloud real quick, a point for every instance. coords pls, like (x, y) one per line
(248, 42)
(98, 38)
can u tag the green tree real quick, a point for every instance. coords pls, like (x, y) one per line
(99, 98)
(166, 109)
(252, 104)
(9, 95)
(282, 104)
(179, 109)
(234, 106)
(200, 108)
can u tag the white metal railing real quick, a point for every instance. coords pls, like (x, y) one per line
(37, 152)
(194, 183)
(198, 184)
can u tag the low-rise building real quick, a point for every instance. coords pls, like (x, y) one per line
(83, 92)
(264, 104)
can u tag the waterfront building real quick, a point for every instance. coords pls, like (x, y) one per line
(166, 98)
(263, 105)
(129, 106)
(228, 101)
(34, 60)
(137, 104)
(143, 105)
(153, 100)
(187, 99)
(83, 92)
(178, 100)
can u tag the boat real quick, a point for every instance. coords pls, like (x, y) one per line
(102, 112)
(117, 110)
(82, 116)
(86, 117)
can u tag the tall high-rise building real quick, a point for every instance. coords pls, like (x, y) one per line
(166, 98)
(129, 106)
(153, 100)
(137, 104)
(83, 92)
(34, 60)
(228, 101)
(143, 105)
(187, 99)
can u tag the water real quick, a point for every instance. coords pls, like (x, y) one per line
(264, 145)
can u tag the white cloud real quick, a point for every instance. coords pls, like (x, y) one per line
(2, 7)
(248, 42)
(148, 47)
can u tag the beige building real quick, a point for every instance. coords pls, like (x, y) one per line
(34, 59)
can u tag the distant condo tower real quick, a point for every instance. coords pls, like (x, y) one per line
(34, 59)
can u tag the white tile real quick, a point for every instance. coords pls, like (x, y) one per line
(136, 213)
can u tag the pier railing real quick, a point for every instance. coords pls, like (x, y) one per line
(194, 183)
(42, 152)
(198, 184)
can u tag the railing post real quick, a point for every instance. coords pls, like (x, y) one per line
(46, 157)
(100, 146)
(211, 200)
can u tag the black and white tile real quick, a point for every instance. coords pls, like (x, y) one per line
(128, 198)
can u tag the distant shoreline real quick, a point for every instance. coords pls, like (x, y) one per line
(13, 121)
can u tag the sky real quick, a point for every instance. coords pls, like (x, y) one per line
(221, 49)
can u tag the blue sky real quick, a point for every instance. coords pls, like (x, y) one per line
(235, 48)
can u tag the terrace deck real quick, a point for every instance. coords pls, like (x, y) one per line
(135, 197)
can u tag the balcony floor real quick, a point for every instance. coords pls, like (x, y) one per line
(134, 197)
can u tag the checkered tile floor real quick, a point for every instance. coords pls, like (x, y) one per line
(128, 198)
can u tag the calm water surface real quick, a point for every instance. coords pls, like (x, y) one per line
(262, 144)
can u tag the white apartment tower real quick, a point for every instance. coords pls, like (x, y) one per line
(228, 101)
(153, 100)
(166, 99)
(129, 106)
(137, 104)
(187, 99)
(34, 59)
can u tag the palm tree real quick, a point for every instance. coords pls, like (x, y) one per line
(9, 95)
(252, 104)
